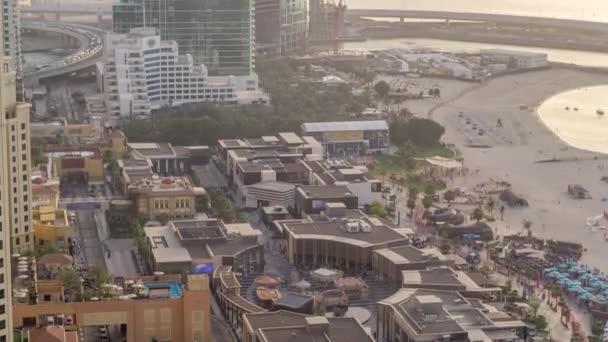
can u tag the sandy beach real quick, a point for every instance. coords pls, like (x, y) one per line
(516, 149)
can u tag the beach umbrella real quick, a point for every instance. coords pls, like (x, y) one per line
(563, 266)
(596, 284)
(584, 296)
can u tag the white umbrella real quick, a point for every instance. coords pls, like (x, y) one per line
(158, 273)
(94, 299)
(129, 282)
(23, 276)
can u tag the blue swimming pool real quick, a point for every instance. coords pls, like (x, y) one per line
(175, 287)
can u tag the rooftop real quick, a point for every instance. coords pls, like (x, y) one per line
(273, 186)
(410, 254)
(280, 326)
(326, 191)
(165, 186)
(362, 232)
(165, 245)
(344, 126)
(151, 150)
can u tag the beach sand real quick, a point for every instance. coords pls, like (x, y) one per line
(519, 145)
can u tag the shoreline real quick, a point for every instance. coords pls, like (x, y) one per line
(520, 144)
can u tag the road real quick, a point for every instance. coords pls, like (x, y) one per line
(86, 231)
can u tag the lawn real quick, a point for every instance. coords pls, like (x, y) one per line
(401, 166)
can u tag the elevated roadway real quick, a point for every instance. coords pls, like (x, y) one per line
(485, 17)
(89, 49)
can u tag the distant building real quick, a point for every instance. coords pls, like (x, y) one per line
(433, 315)
(281, 326)
(217, 34)
(141, 73)
(515, 59)
(281, 28)
(45, 186)
(169, 160)
(344, 138)
(270, 193)
(52, 333)
(340, 238)
(82, 163)
(183, 245)
(326, 20)
(12, 35)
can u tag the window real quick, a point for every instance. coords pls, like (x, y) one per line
(2, 309)
(17, 242)
(47, 298)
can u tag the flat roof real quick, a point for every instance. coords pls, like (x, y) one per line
(332, 230)
(273, 186)
(291, 138)
(281, 326)
(165, 245)
(325, 191)
(344, 126)
(410, 254)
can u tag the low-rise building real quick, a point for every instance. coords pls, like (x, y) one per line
(174, 197)
(340, 238)
(166, 159)
(514, 59)
(448, 279)
(270, 193)
(77, 162)
(181, 246)
(131, 171)
(280, 326)
(433, 315)
(343, 138)
(389, 263)
(250, 173)
(164, 309)
(286, 147)
(45, 186)
(316, 199)
(342, 172)
(51, 227)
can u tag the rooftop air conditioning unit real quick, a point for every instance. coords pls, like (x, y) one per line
(365, 227)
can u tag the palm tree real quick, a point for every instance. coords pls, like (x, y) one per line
(490, 204)
(527, 224)
(397, 101)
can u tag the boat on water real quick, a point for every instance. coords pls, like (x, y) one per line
(600, 112)
(576, 109)
(567, 108)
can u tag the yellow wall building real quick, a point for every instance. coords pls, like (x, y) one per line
(171, 196)
(51, 227)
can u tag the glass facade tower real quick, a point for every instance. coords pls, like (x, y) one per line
(217, 33)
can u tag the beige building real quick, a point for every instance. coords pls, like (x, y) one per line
(171, 196)
(165, 315)
(15, 156)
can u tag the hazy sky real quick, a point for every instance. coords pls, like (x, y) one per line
(578, 9)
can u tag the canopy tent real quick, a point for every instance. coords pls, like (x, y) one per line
(349, 283)
(325, 275)
(267, 281)
(442, 162)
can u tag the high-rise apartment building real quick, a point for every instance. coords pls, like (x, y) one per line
(12, 34)
(281, 28)
(15, 187)
(217, 33)
(140, 73)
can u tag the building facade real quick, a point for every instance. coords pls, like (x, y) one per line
(281, 28)
(344, 138)
(217, 33)
(12, 34)
(16, 192)
(141, 73)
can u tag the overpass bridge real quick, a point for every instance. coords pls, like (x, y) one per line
(87, 38)
(484, 17)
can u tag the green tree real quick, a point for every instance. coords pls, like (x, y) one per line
(163, 218)
(377, 209)
(201, 203)
(477, 214)
(100, 277)
(382, 89)
(534, 304)
(108, 156)
(71, 280)
(449, 196)
(427, 201)
(411, 204)
(421, 132)
(221, 206)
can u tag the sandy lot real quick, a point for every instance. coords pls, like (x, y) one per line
(516, 148)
